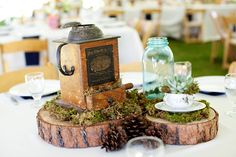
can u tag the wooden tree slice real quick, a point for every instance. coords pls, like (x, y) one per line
(65, 134)
(186, 134)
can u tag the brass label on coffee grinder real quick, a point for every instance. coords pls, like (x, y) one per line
(100, 65)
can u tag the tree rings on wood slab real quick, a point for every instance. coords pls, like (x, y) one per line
(189, 133)
(65, 134)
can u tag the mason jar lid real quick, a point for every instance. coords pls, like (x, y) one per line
(158, 41)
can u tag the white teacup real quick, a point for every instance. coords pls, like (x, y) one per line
(178, 100)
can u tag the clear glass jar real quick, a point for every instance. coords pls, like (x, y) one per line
(158, 65)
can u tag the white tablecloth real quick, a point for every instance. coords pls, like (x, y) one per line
(19, 136)
(130, 46)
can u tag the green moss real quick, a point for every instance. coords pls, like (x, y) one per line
(193, 88)
(180, 117)
(87, 118)
(135, 104)
(102, 88)
(61, 113)
(115, 111)
(190, 89)
(121, 110)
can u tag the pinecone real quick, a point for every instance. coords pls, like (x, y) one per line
(115, 139)
(165, 89)
(135, 126)
(151, 131)
(160, 132)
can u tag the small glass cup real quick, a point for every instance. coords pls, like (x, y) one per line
(230, 89)
(183, 70)
(145, 146)
(35, 86)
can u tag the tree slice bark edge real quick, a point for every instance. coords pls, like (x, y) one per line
(64, 134)
(187, 134)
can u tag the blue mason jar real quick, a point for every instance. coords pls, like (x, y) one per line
(158, 66)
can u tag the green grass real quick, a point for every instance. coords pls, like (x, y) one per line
(199, 55)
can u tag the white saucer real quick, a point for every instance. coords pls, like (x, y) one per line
(195, 107)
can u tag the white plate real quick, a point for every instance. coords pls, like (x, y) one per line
(51, 86)
(134, 77)
(196, 106)
(211, 84)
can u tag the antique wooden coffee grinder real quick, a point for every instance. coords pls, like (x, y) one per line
(89, 68)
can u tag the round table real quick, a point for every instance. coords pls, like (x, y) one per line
(19, 135)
